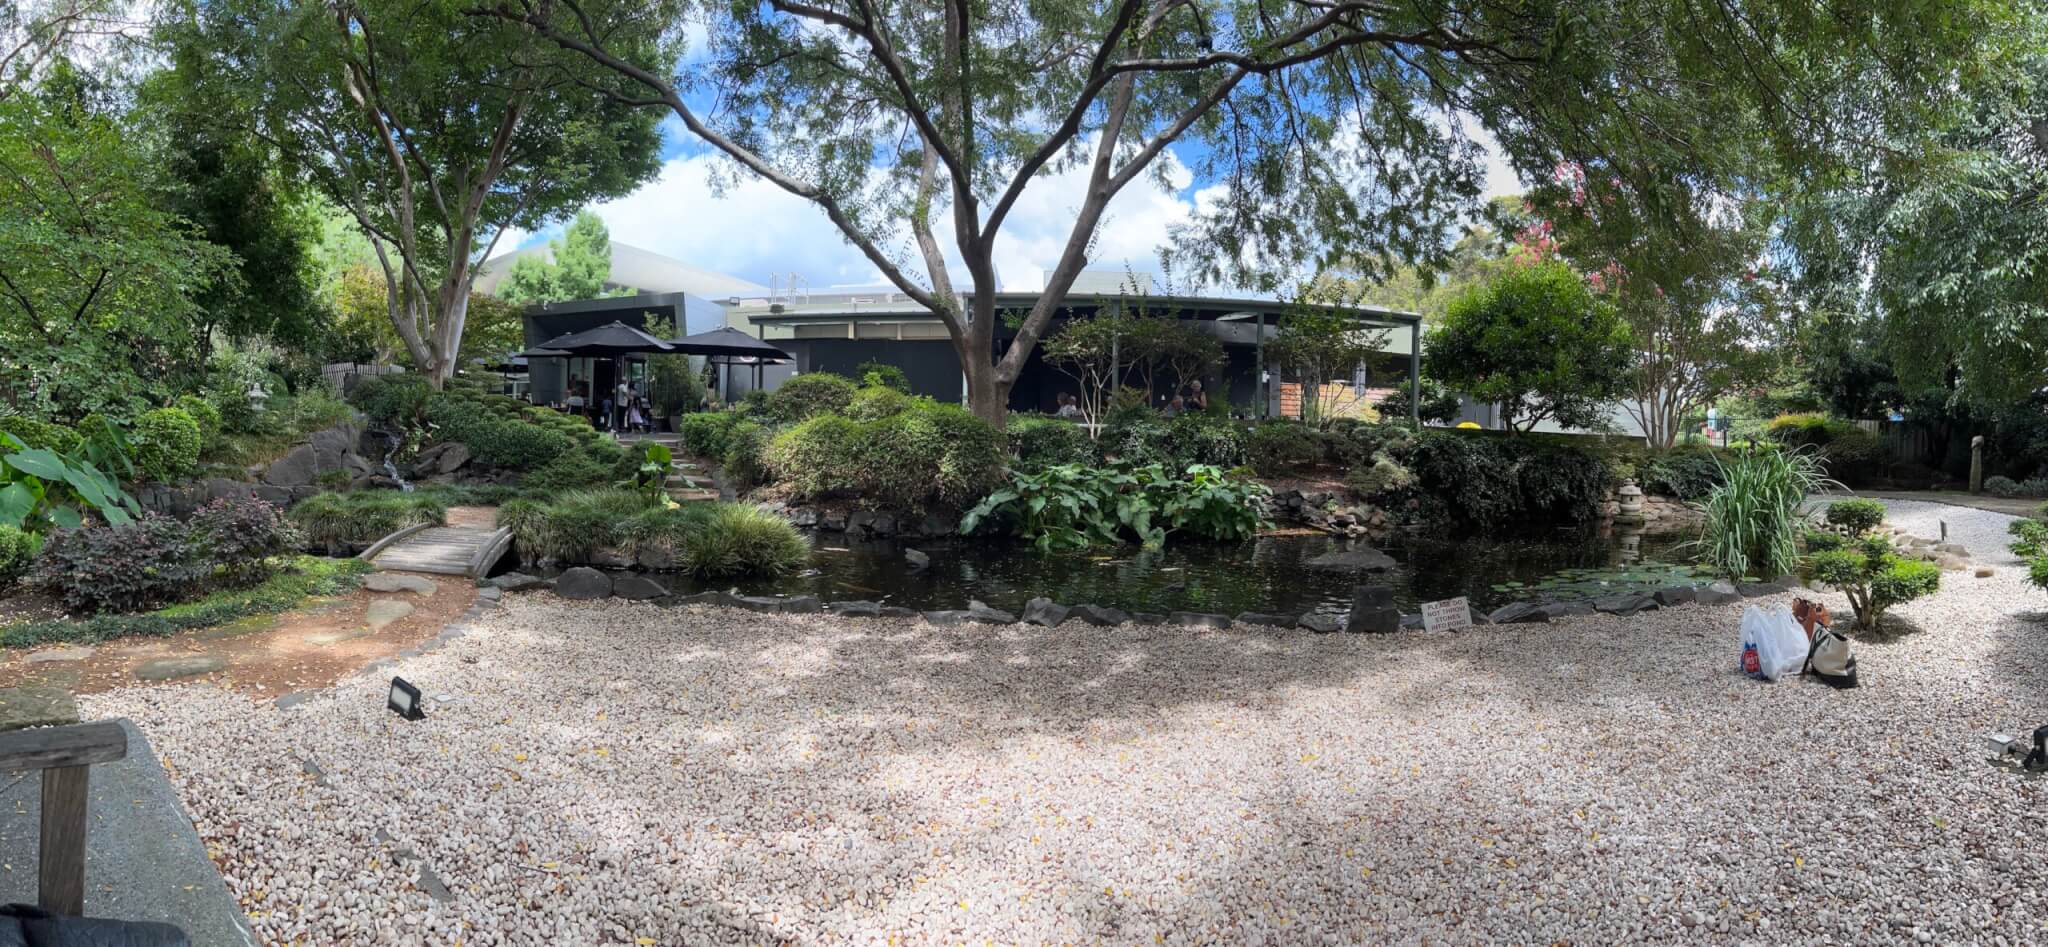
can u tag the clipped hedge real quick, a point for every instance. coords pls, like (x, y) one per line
(808, 395)
(18, 550)
(513, 442)
(1278, 448)
(40, 434)
(932, 455)
(1040, 442)
(165, 444)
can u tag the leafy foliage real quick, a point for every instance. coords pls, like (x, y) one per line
(874, 374)
(165, 444)
(1281, 447)
(241, 538)
(345, 521)
(143, 564)
(18, 550)
(40, 489)
(578, 266)
(1041, 442)
(1318, 344)
(930, 455)
(1439, 404)
(1536, 341)
(808, 395)
(1856, 515)
(1068, 506)
(1687, 474)
(1873, 577)
(736, 540)
(705, 434)
(1752, 525)
(305, 577)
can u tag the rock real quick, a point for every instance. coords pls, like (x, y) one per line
(1200, 620)
(917, 559)
(1321, 623)
(41, 706)
(1952, 549)
(1044, 611)
(855, 609)
(832, 522)
(583, 582)
(453, 455)
(165, 669)
(1264, 618)
(1516, 613)
(394, 582)
(432, 885)
(777, 604)
(1478, 617)
(1757, 589)
(1148, 618)
(947, 617)
(518, 582)
(1674, 595)
(655, 557)
(1098, 615)
(1625, 604)
(382, 612)
(1983, 572)
(297, 468)
(803, 517)
(607, 558)
(898, 611)
(938, 524)
(1411, 623)
(490, 593)
(702, 598)
(48, 655)
(1355, 559)
(1722, 592)
(1372, 611)
(977, 610)
(1553, 611)
(638, 587)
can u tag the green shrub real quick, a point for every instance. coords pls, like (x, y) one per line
(589, 466)
(1561, 484)
(571, 527)
(1282, 447)
(733, 540)
(1135, 437)
(931, 455)
(17, 553)
(1209, 503)
(872, 374)
(1069, 506)
(2030, 538)
(1439, 405)
(203, 412)
(34, 433)
(661, 529)
(1824, 541)
(877, 402)
(809, 394)
(1873, 577)
(165, 444)
(2001, 486)
(2037, 572)
(143, 564)
(1202, 437)
(1852, 454)
(744, 463)
(1040, 442)
(819, 457)
(1684, 473)
(1856, 515)
(1383, 477)
(520, 444)
(343, 520)
(705, 434)
(392, 400)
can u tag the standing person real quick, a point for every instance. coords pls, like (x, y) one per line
(1197, 400)
(636, 415)
(575, 400)
(623, 398)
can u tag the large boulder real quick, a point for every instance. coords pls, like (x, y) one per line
(1516, 613)
(1675, 595)
(638, 587)
(1099, 616)
(1625, 604)
(1321, 623)
(295, 469)
(1044, 611)
(980, 611)
(1264, 618)
(583, 583)
(453, 456)
(1372, 610)
(1720, 593)
(1355, 559)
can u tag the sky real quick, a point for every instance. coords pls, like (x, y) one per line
(756, 231)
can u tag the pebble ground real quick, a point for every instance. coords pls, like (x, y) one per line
(624, 774)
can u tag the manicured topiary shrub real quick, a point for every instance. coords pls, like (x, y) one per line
(877, 401)
(165, 444)
(392, 400)
(2001, 486)
(744, 462)
(873, 374)
(705, 434)
(809, 394)
(143, 564)
(1041, 442)
(1873, 577)
(238, 539)
(39, 434)
(818, 457)
(1201, 437)
(203, 412)
(931, 455)
(1683, 473)
(17, 553)
(1278, 448)
(1856, 515)
(520, 444)
(587, 466)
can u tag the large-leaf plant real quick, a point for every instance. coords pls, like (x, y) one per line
(41, 489)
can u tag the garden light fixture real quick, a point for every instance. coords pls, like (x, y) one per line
(405, 700)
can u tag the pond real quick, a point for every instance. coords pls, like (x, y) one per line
(1269, 574)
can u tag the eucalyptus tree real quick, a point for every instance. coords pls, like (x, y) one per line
(437, 131)
(1320, 131)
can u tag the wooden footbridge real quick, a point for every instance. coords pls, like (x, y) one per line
(443, 550)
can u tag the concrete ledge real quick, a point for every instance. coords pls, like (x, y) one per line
(143, 859)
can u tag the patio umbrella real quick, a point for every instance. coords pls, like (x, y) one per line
(730, 346)
(607, 341)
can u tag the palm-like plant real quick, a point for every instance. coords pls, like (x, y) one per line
(1752, 526)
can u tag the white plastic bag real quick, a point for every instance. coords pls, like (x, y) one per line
(1779, 641)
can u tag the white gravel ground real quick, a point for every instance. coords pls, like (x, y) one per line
(619, 773)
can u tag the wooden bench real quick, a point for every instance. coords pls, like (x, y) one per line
(64, 755)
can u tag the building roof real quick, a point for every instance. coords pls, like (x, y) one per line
(641, 270)
(896, 306)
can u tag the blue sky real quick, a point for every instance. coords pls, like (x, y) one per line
(758, 232)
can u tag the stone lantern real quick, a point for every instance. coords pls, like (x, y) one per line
(257, 396)
(1629, 502)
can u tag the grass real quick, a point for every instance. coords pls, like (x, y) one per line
(736, 540)
(712, 540)
(303, 578)
(361, 517)
(1752, 526)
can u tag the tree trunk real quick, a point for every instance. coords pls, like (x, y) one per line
(987, 395)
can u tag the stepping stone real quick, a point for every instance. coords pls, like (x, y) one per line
(165, 669)
(36, 707)
(391, 582)
(384, 611)
(76, 653)
(326, 638)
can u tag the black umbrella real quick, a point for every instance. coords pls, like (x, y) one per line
(730, 346)
(543, 353)
(609, 340)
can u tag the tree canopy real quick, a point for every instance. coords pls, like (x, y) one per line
(578, 267)
(1538, 342)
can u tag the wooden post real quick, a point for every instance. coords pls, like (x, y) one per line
(60, 850)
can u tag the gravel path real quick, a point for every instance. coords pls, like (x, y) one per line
(619, 773)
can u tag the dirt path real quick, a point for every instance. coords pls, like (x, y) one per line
(265, 656)
(2010, 506)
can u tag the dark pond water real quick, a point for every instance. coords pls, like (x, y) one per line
(1267, 575)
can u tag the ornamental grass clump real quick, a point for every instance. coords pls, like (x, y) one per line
(730, 539)
(359, 518)
(1753, 517)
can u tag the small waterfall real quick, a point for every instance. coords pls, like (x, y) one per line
(391, 468)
